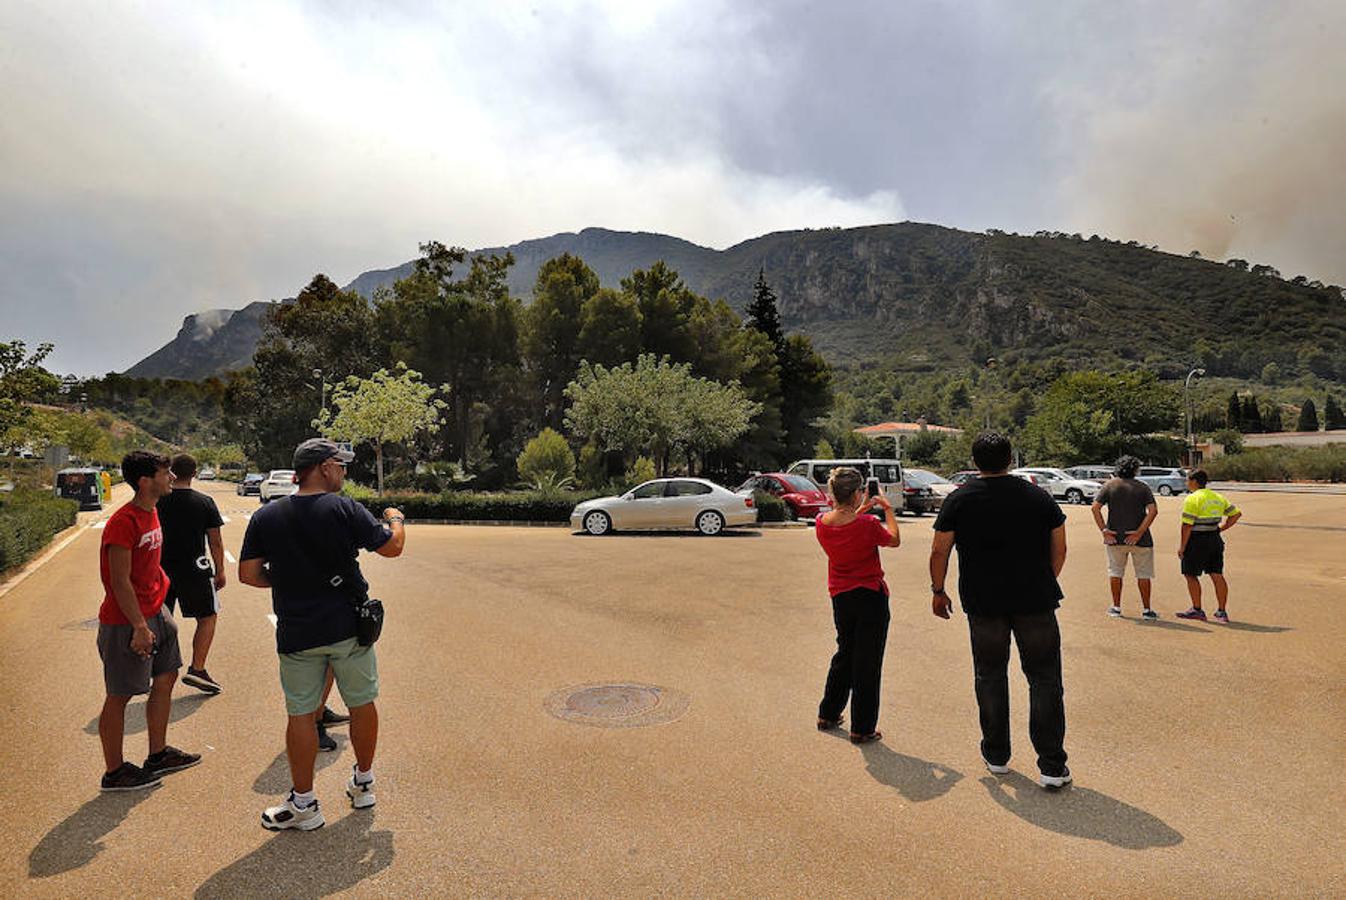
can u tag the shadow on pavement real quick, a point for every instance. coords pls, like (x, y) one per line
(1080, 812)
(1258, 629)
(135, 713)
(76, 841)
(276, 778)
(727, 533)
(314, 864)
(1171, 626)
(915, 779)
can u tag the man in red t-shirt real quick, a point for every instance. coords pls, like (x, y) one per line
(137, 641)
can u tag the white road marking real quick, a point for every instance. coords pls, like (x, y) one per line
(272, 617)
(229, 556)
(99, 524)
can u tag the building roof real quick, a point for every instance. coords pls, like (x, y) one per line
(889, 429)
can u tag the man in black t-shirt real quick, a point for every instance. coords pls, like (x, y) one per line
(297, 546)
(1011, 541)
(191, 524)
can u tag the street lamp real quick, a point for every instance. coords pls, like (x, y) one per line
(322, 388)
(1187, 406)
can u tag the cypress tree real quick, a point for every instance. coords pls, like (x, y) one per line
(763, 314)
(1272, 418)
(1308, 417)
(1252, 416)
(1234, 417)
(1333, 418)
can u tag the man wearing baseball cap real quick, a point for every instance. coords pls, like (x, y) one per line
(297, 546)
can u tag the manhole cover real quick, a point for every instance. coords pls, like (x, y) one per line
(621, 705)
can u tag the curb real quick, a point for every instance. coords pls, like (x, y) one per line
(507, 523)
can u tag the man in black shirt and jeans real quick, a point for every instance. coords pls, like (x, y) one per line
(191, 524)
(303, 547)
(1011, 541)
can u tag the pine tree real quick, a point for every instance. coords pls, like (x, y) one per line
(1333, 418)
(763, 315)
(1234, 418)
(1308, 417)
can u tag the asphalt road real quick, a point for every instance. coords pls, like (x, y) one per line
(1208, 759)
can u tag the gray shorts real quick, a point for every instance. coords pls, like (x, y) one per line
(126, 672)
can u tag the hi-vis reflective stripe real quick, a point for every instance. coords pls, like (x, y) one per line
(1204, 509)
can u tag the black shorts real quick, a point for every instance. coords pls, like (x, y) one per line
(194, 592)
(1204, 554)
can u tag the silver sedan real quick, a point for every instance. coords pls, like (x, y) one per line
(666, 503)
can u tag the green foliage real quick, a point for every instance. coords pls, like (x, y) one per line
(593, 467)
(806, 394)
(186, 413)
(1088, 416)
(823, 450)
(1333, 418)
(28, 520)
(610, 328)
(1308, 417)
(923, 448)
(1282, 464)
(641, 470)
(23, 381)
(384, 408)
(762, 314)
(656, 407)
(1230, 439)
(546, 462)
(515, 506)
(770, 508)
(552, 327)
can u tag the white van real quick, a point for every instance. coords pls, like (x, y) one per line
(887, 471)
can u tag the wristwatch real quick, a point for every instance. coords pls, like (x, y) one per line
(392, 519)
(936, 590)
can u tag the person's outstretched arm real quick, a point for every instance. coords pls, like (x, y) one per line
(940, 548)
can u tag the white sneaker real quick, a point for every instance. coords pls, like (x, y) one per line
(361, 793)
(1052, 782)
(1115, 612)
(287, 815)
(994, 769)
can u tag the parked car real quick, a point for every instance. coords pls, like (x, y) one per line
(918, 498)
(942, 486)
(802, 498)
(1163, 480)
(1062, 486)
(279, 483)
(887, 471)
(251, 485)
(666, 503)
(1036, 480)
(1095, 472)
(961, 478)
(206, 474)
(83, 485)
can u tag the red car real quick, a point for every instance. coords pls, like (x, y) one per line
(802, 498)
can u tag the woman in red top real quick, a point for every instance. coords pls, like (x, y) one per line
(852, 539)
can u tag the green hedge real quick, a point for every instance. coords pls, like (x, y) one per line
(770, 508)
(516, 506)
(28, 519)
(1281, 464)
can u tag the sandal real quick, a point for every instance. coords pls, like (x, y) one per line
(830, 724)
(866, 738)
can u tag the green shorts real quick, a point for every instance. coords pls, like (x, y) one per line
(303, 674)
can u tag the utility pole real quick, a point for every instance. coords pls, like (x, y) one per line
(1187, 407)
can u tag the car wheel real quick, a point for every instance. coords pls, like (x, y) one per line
(710, 522)
(1165, 490)
(791, 514)
(597, 523)
(1074, 495)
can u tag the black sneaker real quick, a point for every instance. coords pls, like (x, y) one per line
(170, 759)
(201, 680)
(332, 718)
(129, 777)
(325, 741)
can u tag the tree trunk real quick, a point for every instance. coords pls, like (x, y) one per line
(378, 458)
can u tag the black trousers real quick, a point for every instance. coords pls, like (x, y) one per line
(1039, 641)
(861, 617)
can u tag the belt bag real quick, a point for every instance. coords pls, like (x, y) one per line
(368, 611)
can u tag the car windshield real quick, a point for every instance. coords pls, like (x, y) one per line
(800, 483)
(921, 476)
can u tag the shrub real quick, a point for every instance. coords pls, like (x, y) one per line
(1282, 464)
(512, 506)
(546, 463)
(770, 508)
(28, 520)
(641, 470)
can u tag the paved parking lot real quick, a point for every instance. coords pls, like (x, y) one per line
(1208, 759)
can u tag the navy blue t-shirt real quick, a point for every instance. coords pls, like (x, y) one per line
(310, 612)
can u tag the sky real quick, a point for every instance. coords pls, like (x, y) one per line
(162, 158)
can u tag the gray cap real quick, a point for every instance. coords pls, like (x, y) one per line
(316, 450)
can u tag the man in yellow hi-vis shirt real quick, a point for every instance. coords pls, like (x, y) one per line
(1205, 514)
